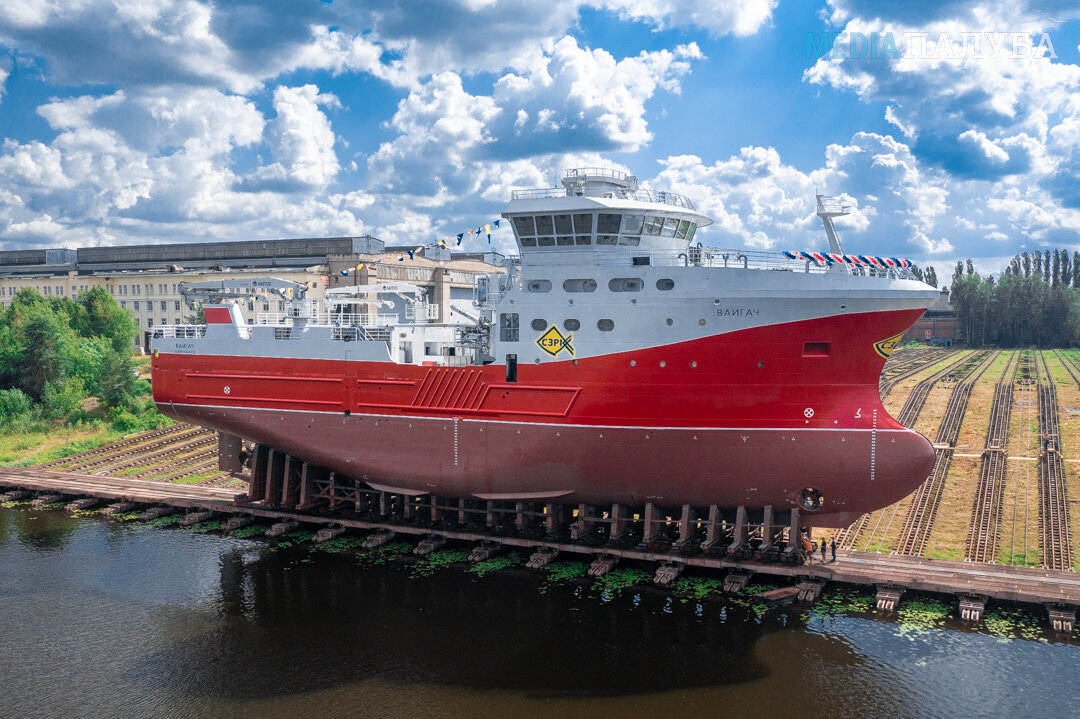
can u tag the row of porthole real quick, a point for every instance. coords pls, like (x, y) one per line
(573, 325)
(663, 363)
(604, 325)
(617, 284)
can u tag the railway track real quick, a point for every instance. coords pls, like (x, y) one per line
(1055, 539)
(915, 401)
(163, 452)
(1069, 364)
(114, 461)
(915, 529)
(111, 449)
(893, 374)
(985, 527)
(846, 538)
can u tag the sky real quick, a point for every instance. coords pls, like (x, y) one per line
(952, 129)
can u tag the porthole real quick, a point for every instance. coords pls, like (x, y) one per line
(539, 286)
(572, 325)
(665, 284)
(669, 322)
(539, 325)
(693, 363)
(760, 365)
(625, 284)
(663, 363)
(605, 325)
(633, 363)
(701, 321)
(579, 285)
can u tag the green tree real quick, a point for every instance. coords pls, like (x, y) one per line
(107, 319)
(116, 383)
(44, 344)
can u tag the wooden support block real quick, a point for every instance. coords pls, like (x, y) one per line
(712, 532)
(888, 597)
(740, 526)
(647, 519)
(229, 448)
(767, 528)
(275, 477)
(257, 486)
(686, 525)
(794, 531)
(618, 522)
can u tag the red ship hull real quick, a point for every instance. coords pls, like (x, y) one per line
(751, 417)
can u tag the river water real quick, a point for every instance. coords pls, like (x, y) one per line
(104, 619)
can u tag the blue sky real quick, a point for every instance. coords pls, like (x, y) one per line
(180, 120)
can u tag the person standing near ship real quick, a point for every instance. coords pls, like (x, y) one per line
(832, 546)
(823, 550)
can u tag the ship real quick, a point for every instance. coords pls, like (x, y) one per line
(617, 361)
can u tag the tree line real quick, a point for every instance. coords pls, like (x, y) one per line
(56, 353)
(1035, 301)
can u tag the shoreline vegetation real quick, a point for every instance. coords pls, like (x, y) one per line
(69, 379)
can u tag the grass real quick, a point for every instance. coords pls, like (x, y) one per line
(21, 450)
(194, 479)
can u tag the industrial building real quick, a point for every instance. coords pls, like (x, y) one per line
(145, 279)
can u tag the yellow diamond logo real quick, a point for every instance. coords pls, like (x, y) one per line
(886, 347)
(553, 342)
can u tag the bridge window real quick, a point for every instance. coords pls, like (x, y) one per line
(653, 225)
(564, 240)
(631, 224)
(608, 223)
(544, 225)
(625, 284)
(584, 239)
(665, 284)
(563, 225)
(605, 325)
(546, 241)
(528, 242)
(583, 224)
(690, 231)
(508, 326)
(539, 325)
(684, 226)
(524, 226)
(669, 228)
(607, 239)
(579, 285)
(539, 286)
(572, 325)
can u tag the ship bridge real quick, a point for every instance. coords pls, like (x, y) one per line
(600, 210)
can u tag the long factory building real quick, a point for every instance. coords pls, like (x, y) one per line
(145, 279)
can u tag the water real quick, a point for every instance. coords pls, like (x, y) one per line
(106, 619)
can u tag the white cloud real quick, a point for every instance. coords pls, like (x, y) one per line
(301, 140)
(719, 17)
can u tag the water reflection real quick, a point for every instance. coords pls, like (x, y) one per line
(331, 622)
(118, 620)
